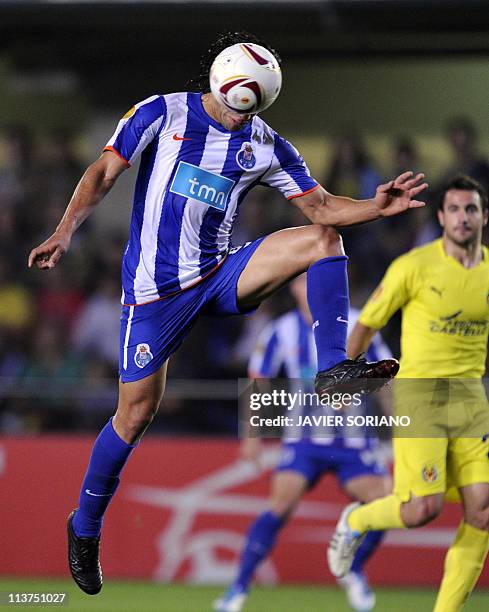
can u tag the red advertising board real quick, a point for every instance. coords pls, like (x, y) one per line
(181, 513)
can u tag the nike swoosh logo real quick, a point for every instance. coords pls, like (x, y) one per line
(341, 320)
(177, 137)
(88, 492)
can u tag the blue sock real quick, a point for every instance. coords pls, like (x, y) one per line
(366, 549)
(327, 296)
(109, 455)
(259, 543)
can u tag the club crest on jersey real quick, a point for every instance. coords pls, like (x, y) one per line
(143, 355)
(245, 157)
(430, 473)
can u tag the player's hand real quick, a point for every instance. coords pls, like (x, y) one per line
(250, 450)
(47, 254)
(398, 195)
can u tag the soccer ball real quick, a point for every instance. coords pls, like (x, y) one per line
(246, 78)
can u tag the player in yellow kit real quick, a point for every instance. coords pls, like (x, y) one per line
(443, 291)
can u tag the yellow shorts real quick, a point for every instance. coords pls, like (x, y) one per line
(427, 466)
(446, 445)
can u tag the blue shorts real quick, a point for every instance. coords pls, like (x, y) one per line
(313, 460)
(150, 333)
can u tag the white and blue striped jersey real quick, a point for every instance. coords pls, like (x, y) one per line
(192, 178)
(287, 346)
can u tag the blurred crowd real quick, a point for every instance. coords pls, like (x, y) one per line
(59, 330)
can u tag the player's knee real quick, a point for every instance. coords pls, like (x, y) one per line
(421, 510)
(135, 417)
(282, 506)
(478, 519)
(326, 242)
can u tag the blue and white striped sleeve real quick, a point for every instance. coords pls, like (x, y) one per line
(137, 128)
(288, 172)
(266, 358)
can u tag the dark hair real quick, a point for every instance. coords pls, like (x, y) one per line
(226, 39)
(464, 183)
(403, 145)
(462, 123)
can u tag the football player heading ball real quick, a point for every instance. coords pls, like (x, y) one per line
(199, 159)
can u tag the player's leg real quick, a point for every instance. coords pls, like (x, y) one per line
(287, 253)
(282, 256)
(150, 333)
(364, 488)
(465, 557)
(287, 489)
(138, 403)
(318, 249)
(419, 486)
(420, 466)
(363, 479)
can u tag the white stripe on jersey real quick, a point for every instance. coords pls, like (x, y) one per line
(189, 250)
(288, 333)
(144, 282)
(128, 333)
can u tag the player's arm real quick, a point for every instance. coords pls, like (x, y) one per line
(93, 186)
(358, 342)
(137, 128)
(392, 198)
(393, 292)
(359, 339)
(376, 350)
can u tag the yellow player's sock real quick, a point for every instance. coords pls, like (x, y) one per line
(463, 565)
(379, 515)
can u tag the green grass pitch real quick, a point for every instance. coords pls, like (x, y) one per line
(151, 597)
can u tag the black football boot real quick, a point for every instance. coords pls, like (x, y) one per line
(83, 559)
(356, 376)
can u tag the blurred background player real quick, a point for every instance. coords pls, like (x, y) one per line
(287, 345)
(442, 289)
(199, 158)
(466, 157)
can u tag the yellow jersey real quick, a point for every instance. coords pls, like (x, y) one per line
(445, 312)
